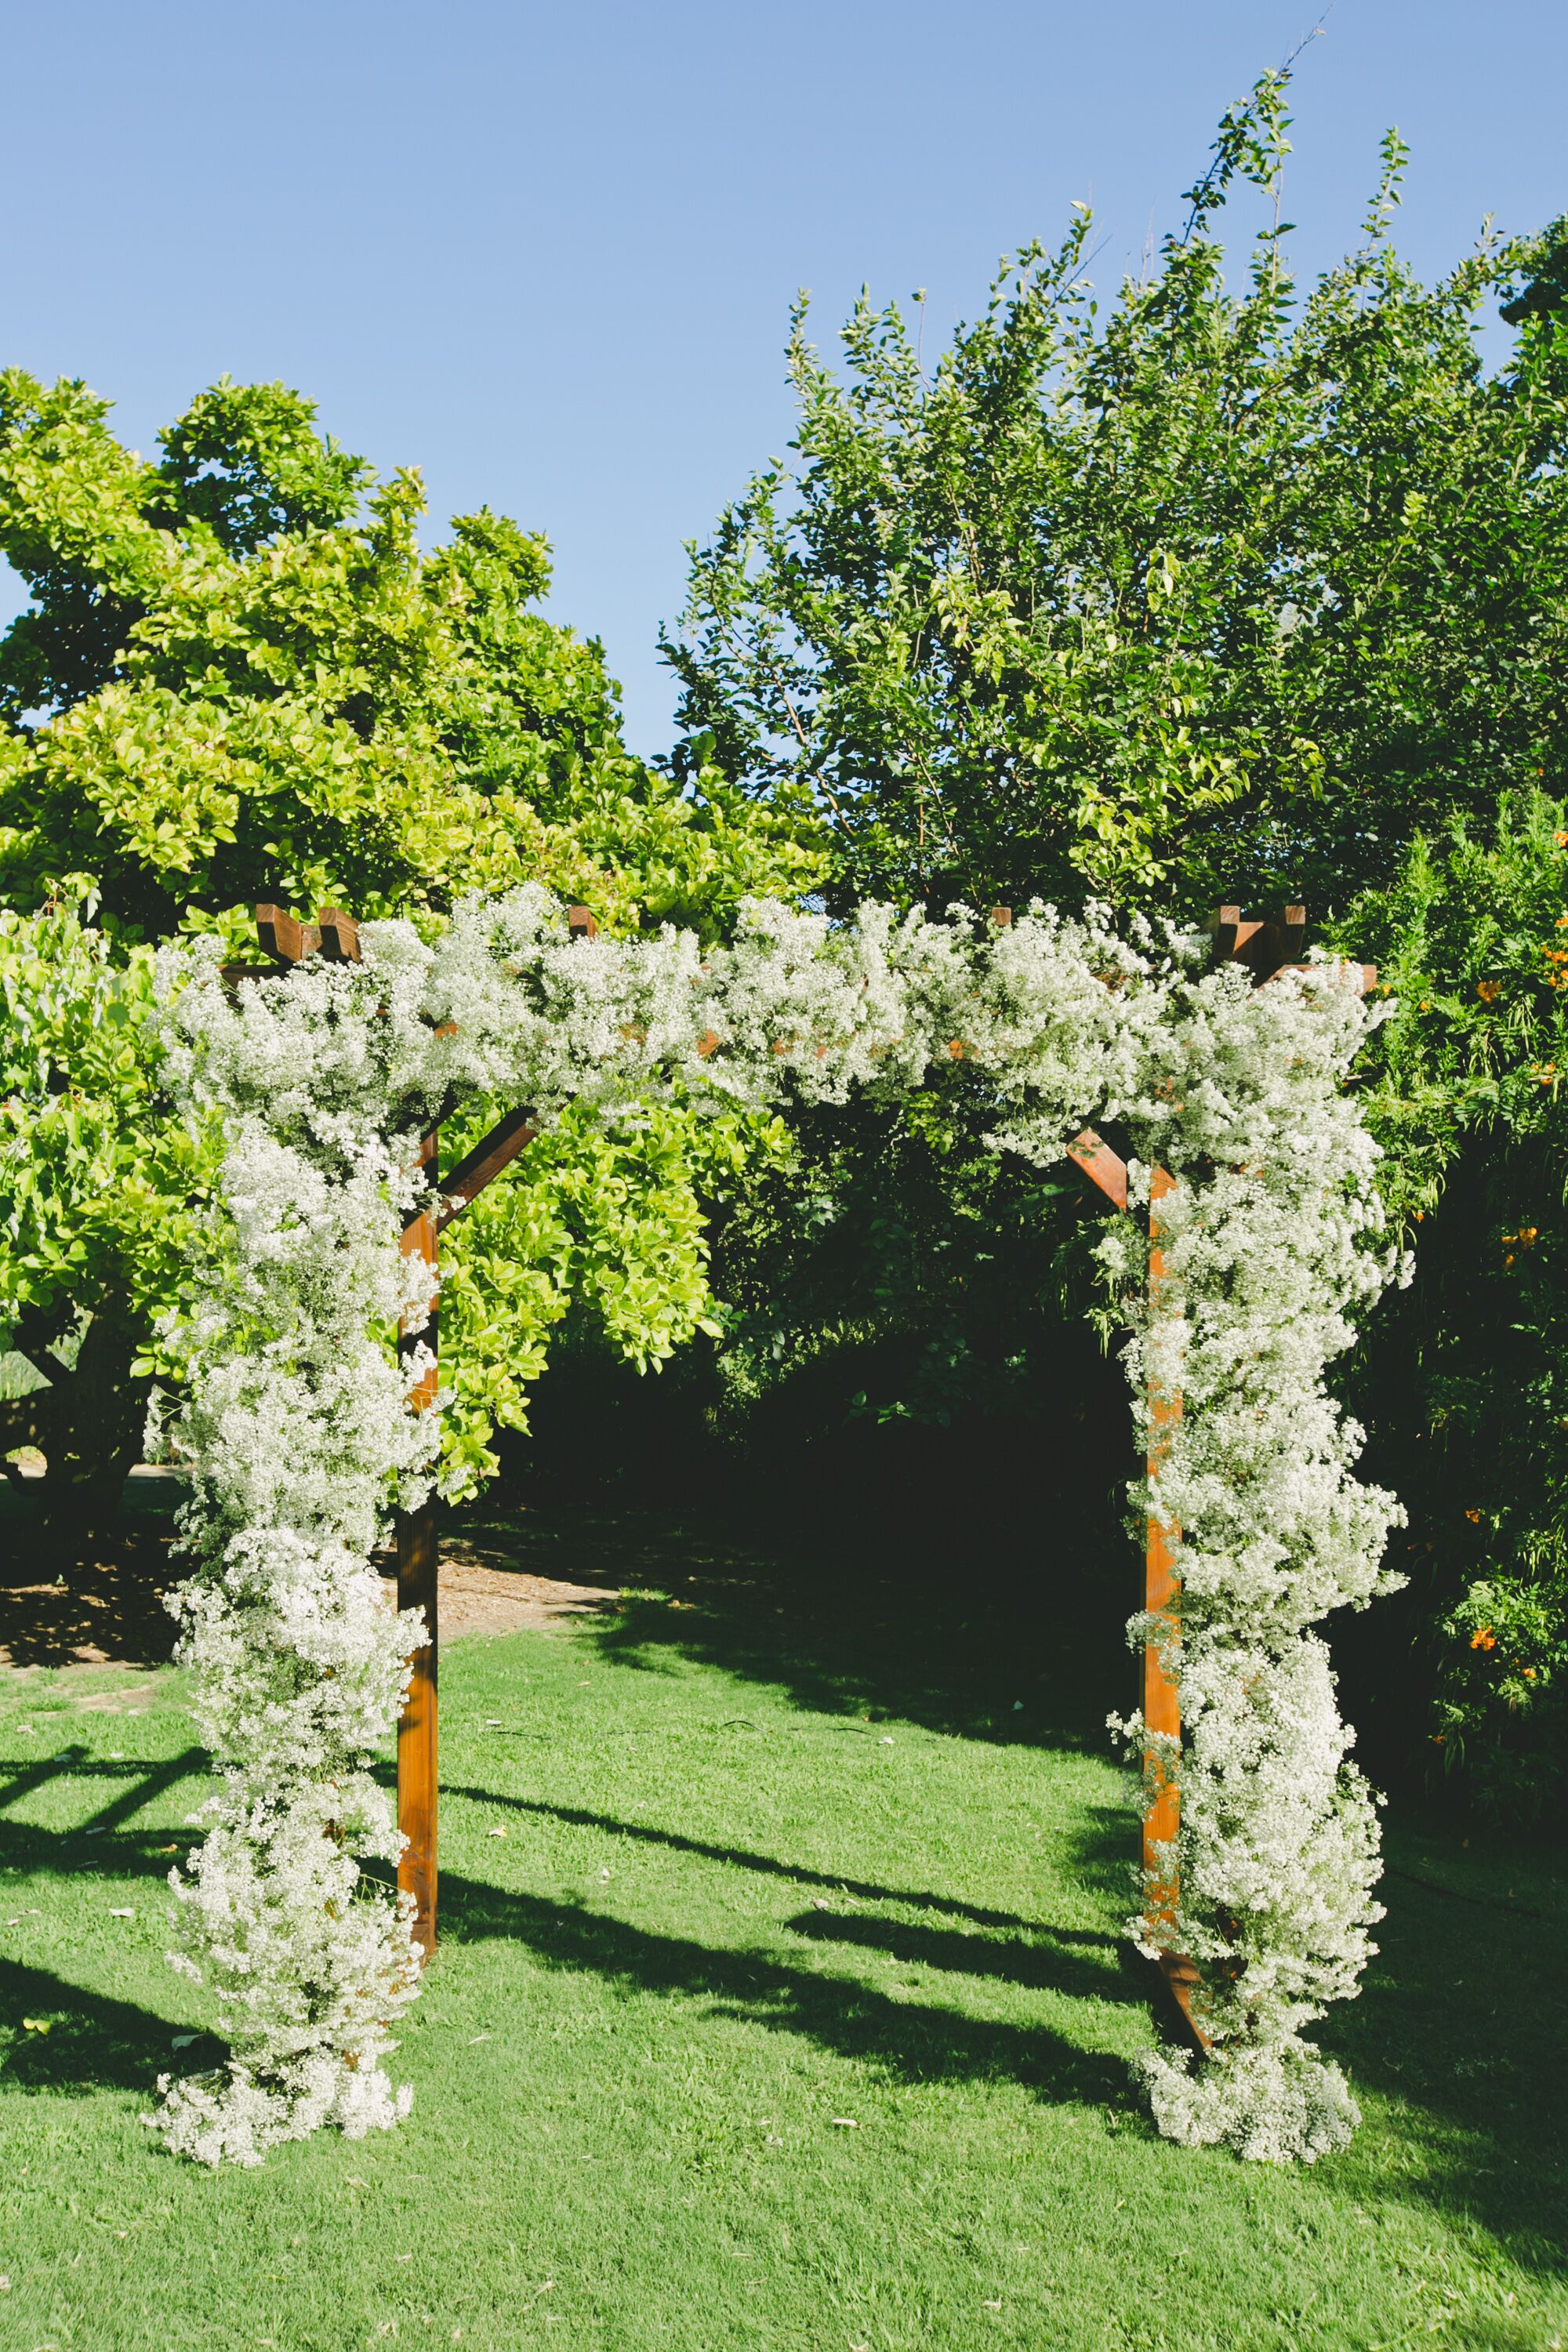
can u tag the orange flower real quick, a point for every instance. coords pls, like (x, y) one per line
(1561, 840)
(1474, 1518)
(1529, 1673)
(1488, 991)
(1483, 1640)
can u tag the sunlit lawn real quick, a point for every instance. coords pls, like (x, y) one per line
(780, 2005)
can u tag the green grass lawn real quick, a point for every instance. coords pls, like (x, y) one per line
(780, 2005)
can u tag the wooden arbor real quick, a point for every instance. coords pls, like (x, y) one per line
(1266, 948)
(335, 936)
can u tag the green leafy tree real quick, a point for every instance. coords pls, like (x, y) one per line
(1199, 589)
(101, 1191)
(239, 679)
(1202, 591)
(1466, 1374)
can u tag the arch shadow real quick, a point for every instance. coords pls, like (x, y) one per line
(909, 2041)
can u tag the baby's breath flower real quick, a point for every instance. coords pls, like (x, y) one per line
(300, 1428)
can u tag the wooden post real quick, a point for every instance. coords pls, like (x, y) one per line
(417, 1574)
(1161, 1590)
(1161, 1698)
(335, 936)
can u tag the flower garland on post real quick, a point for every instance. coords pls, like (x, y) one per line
(1271, 1240)
(299, 1425)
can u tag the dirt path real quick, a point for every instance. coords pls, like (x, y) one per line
(104, 1606)
(480, 1594)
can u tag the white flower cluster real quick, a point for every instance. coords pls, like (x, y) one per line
(300, 1425)
(1271, 1242)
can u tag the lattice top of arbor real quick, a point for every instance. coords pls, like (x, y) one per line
(303, 1421)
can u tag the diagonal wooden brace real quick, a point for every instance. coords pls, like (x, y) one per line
(474, 1170)
(1107, 1167)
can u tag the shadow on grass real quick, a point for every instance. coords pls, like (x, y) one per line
(741, 1858)
(1040, 1966)
(71, 1601)
(63, 2036)
(79, 2041)
(1463, 2019)
(908, 2040)
(102, 1841)
(848, 1628)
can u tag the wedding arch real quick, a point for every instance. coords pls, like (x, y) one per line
(1257, 1237)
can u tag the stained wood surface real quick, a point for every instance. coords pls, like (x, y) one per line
(1161, 1695)
(338, 936)
(418, 1588)
(1109, 1170)
(1161, 1592)
(474, 1170)
(283, 936)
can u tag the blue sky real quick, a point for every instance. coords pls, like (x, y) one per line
(546, 254)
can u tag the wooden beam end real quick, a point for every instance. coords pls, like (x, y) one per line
(283, 936)
(338, 936)
(1106, 1167)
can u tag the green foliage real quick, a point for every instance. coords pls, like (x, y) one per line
(101, 1190)
(241, 679)
(894, 1267)
(1468, 1381)
(1471, 941)
(1210, 592)
(612, 1222)
(1504, 1696)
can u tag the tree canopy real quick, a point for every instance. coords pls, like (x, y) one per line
(239, 677)
(1192, 592)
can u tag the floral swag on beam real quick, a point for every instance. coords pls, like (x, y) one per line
(299, 1425)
